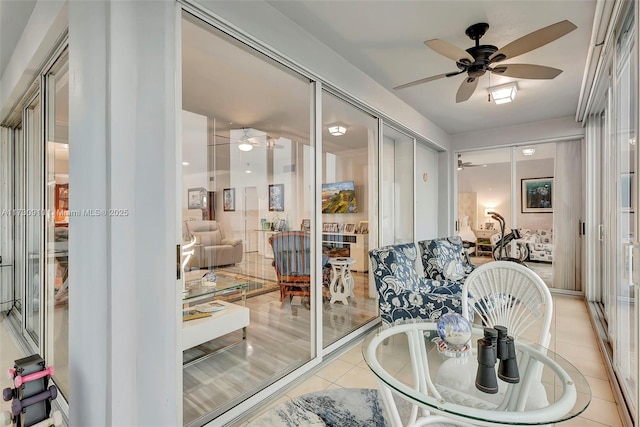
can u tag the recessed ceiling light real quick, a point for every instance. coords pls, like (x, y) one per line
(185, 163)
(528, 151)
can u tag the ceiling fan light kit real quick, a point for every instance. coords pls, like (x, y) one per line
(504, 93)
(245, 146)
(477, 60)
(337, 130)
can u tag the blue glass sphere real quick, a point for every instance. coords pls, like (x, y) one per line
(454, 330)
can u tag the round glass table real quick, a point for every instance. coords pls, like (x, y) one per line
(439, 386)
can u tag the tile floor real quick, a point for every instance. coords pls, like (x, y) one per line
(572, 337)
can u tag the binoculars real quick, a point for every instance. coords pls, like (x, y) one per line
(496, 345)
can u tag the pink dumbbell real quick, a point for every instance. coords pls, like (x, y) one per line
(19, 379)
(54, 420)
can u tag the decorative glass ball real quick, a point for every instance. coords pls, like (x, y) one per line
(454, 330)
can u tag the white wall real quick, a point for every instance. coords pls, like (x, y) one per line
(527, 133)
(427, 193)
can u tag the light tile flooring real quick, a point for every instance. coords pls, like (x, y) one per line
(572, 337)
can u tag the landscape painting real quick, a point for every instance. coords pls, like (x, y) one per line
(339, 197)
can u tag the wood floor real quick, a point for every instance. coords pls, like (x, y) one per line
(278, 341)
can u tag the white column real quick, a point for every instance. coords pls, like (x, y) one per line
(125, 366)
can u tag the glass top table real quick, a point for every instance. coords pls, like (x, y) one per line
(407, 362)
(196, 291)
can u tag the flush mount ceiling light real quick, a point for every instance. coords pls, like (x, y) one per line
(504, 93)
(185, 163)
(245, 146)
(337, 130)
(528, 151)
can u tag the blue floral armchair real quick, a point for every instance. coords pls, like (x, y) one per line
(403, 294)
(445, 259)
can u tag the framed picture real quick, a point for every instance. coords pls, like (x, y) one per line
(281, 225)
(276, 197)
(363, 227)
(627, 188)
(305, 225)
(341, 227)
(229, 199)
(349, 228)
(197, 198)
(537, 195)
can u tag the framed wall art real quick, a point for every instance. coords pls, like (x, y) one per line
(229, 199)
(197, 198)
(276, 197)
(537, 195)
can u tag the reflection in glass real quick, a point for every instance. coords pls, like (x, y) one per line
(349, 300)
(34, 221)
(57, 221)
(245, 127)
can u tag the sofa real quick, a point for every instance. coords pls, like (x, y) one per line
(212, 249)
(539, 244)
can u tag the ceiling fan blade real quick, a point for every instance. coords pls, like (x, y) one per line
(425, 80)
(466, 89)
(533, 41)
(449, 50)
(527, 71)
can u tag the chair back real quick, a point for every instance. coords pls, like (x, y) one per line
(393, 267)
(292, 256)
(445, 258)
(509, 294)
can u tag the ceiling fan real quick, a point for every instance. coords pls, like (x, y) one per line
(477, 60)
(246, 142)
(462, 165)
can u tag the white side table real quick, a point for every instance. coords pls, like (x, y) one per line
(342, 282)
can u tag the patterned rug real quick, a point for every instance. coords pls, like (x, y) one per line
(344, 407)
(348, 407)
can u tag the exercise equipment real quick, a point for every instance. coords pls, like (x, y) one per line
(19, 379)
(500, 252)
(18, 405)
(32, 395)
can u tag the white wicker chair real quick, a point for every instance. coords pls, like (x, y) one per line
(508, 294)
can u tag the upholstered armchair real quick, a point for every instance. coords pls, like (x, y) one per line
(403, 294)
(445, 259)
(212, 249)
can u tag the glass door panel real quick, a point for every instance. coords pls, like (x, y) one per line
(535, 187)
(397, 187)
(349, 216)
(19, 222)
(484, 185)
(248, 174)
(625, 142)
(34, 221)
(57, 220)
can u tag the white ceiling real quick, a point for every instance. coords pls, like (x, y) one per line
(14, 15)
(385, 40)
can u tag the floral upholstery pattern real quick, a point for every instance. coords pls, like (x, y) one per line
(405, 296)
(445, 259)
